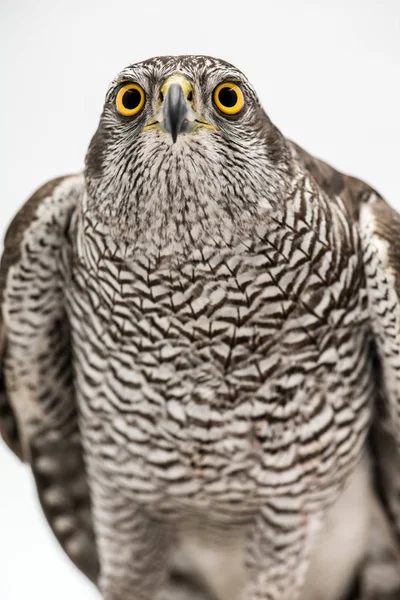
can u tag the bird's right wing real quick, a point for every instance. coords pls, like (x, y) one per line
(38, 417)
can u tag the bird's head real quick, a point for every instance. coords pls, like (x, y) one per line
(183, 142)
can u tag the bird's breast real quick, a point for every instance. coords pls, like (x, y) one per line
(224, 375)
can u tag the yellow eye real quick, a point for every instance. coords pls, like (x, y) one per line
(130, 99)
(228, 97)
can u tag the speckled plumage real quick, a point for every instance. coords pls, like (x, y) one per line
(196, 339)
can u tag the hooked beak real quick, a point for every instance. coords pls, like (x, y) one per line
(176, 111)
(176, 114)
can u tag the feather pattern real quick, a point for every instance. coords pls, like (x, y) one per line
(200, 358)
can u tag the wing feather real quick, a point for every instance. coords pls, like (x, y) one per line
(379, 227)
(380, 231)
(38, 418)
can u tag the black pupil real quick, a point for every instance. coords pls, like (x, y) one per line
(131, 99)
(228, 97)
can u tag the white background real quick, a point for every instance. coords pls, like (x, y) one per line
(327, 72)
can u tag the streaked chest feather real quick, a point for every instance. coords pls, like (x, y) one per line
(221, 370)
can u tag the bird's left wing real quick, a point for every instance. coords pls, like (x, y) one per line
(379, 228)
(380, 235)
(38, 418)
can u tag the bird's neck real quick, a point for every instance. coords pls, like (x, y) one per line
(182, 203)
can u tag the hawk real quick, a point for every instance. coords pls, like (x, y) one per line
(200, 353)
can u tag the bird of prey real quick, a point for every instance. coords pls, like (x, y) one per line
(200, 353)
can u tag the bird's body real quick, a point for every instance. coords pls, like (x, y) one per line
(184, 355)
(196, 322)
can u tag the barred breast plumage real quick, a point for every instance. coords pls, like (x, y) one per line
(185, 359)
(195, 347)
